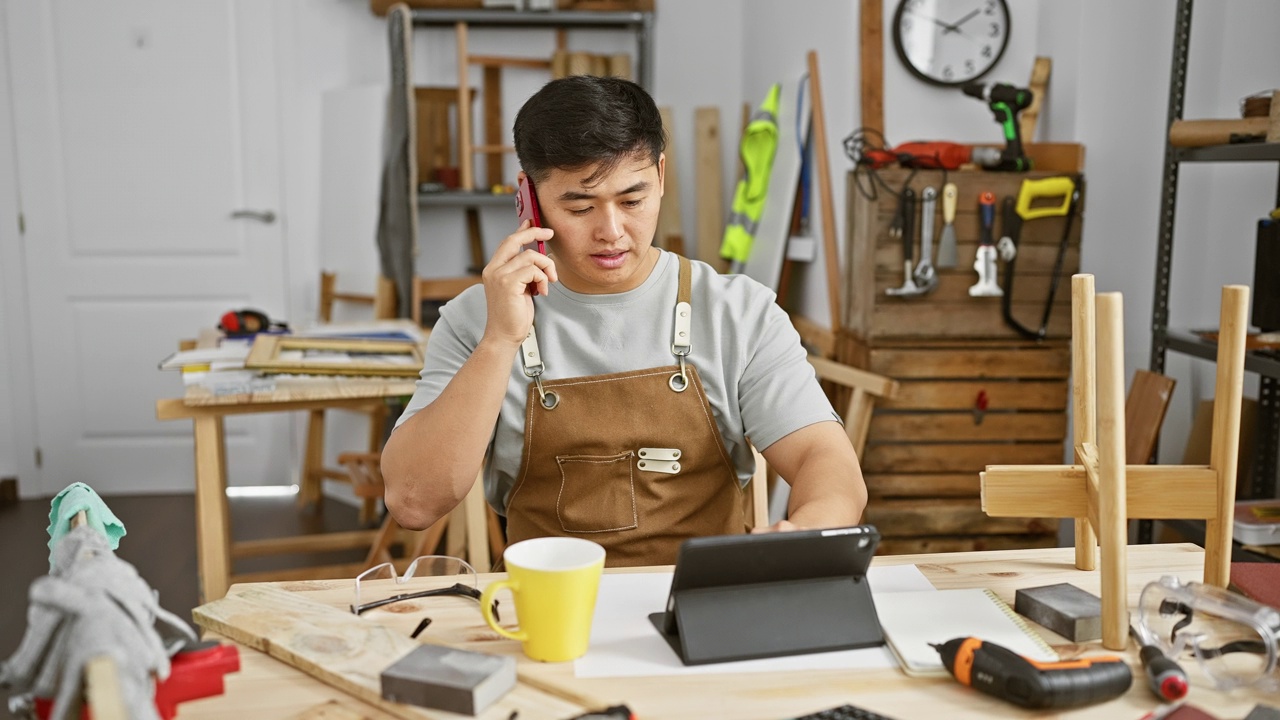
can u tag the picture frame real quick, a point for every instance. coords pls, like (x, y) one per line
(279, 354)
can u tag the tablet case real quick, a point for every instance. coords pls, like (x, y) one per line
(743, 597)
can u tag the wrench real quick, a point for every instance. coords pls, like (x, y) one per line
(909, 287)
(925, 276)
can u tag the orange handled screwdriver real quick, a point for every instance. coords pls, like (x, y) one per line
(1000, 672)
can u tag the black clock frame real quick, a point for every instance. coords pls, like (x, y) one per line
(902, 55)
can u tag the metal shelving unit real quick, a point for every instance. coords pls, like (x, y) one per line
(1263, 482)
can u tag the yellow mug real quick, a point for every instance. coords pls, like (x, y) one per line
(554, 581)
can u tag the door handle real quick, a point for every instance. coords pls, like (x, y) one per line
(263, 216)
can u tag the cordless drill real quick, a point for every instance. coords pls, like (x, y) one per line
(998, 671)
(1006, 101)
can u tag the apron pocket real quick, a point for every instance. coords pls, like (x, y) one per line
(597, 493)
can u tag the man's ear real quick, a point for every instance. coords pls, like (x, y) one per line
(662, 173)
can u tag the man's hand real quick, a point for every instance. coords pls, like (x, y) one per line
(506, 284)
(780, 526)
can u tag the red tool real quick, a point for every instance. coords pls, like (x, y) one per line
(193, 674)
(930, 155)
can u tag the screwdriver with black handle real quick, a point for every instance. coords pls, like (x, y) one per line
(1002, 673)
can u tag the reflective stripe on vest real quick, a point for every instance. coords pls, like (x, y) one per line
(759, 143)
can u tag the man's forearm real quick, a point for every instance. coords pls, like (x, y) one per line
(828, 491)
(431, 461)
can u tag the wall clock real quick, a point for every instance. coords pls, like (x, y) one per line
(950, 42)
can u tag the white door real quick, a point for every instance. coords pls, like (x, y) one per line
(141, 126)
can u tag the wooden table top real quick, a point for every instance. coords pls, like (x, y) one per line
(267, 688)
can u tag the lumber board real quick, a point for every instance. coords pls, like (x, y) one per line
(337, 648)
(915, 517)
(1153, 492)
(670, 217)
(890, 485)
(958, 426)
(956, 457)
(962, 394)
(871, 62)
(493, 126)
(963, 543)
(1039, 85)
(708, 178)
(996, 362)
(914, 318)
(1144, 410)
(818, 148)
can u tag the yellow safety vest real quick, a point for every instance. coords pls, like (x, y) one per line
(759, 143)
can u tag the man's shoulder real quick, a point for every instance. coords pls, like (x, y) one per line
(739, 291)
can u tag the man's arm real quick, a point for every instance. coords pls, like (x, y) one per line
(827, 489)
(432, 460)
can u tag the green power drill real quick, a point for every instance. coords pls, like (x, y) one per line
(1006, 101)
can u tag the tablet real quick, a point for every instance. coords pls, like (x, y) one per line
(737, 597)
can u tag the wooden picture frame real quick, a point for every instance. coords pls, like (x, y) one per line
(334, 356)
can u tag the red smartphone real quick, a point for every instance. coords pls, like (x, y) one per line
(527, 207)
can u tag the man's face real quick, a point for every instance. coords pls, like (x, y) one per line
(603, 232)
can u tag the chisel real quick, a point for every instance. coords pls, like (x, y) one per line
(947, 245)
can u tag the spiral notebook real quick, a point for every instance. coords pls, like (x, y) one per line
(915, 619)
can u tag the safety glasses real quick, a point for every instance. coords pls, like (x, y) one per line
(1233, 638)
(453, 576)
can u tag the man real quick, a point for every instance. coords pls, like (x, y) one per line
(624, 417)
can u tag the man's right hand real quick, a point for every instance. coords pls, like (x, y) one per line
(507, 278)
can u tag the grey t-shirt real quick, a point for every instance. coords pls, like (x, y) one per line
(747, 353)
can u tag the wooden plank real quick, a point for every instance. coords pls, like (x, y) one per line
(465, 138)
(1039, 87)
(338, 648)
(317, 542)
(102, 689)
(871, 63)
(1056, 157)
(830, 252)
(997, 362)
(708, 179)
(860, 263)
(1233, 320)
(1273, 127)
(923, 485)
(1154, 492)
(956, 427)
(670, 218)
(956, 457)
(962, 395)
(336, 571)
(920, 319)
(915, 517)
(497, 61)
(1144, 410)
(963, 543)
(212, 522)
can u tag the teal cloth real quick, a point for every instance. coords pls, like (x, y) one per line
(74, 498)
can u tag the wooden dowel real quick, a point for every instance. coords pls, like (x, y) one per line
(1084, 417)
(1113, 515)
(1225, 447)
(465, 159)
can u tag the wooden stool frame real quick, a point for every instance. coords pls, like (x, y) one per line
(1101, 492)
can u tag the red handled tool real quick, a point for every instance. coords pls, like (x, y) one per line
(1002, 673)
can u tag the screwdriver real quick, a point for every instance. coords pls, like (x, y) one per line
(1165, 677)
(1002, 673)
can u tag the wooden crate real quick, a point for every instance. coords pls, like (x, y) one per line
(927, 445)
(875, 263)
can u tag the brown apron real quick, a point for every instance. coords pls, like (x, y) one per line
(633, 461)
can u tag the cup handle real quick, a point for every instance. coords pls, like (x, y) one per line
(486, 608)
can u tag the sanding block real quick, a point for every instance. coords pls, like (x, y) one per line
(445, 678)
(1063, 608)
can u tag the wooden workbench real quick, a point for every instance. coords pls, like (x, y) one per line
(267, 688)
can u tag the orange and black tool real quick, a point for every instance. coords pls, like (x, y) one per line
(998, 671)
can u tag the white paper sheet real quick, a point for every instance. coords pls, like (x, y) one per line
(625, 644)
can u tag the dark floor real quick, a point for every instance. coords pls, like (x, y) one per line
(161, 544)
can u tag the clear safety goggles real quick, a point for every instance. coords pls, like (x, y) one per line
(1233, 638)
(437, 575)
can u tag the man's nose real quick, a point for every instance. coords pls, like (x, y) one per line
(610, 227)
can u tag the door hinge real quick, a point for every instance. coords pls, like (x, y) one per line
(39, 458)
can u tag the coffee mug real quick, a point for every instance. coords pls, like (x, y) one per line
(554, 581)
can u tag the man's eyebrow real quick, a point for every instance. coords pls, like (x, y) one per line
(571, 195)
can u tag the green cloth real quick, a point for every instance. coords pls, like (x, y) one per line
(74, 498)
(758, 147)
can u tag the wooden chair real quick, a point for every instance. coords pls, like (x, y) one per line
(473, 531)
(438, 290)
(1144, 411)
(865, 388)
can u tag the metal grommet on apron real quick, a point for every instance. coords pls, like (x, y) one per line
(631, 460)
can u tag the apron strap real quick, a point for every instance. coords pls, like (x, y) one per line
(682, 329)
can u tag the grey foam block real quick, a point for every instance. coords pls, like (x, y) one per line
(445, 678)
(1063, 608)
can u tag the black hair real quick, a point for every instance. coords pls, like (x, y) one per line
(587, 121)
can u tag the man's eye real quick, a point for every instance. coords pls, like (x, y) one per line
(632, 203)
(579, 211)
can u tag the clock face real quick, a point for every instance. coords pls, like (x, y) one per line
(950, 42)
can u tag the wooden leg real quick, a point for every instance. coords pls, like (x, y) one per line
(312, 461)
(1113, 512)
(1224, 448)
(1083, 397)
(477, 540)
(213, 535)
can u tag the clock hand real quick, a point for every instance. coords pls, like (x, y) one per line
(956, 26)
(945, 27)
